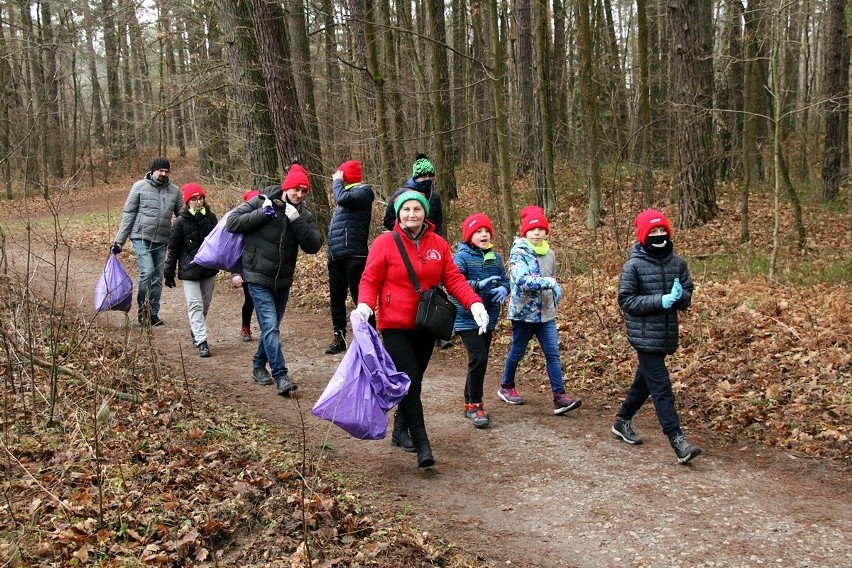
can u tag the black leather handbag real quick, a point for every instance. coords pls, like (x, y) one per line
(435, 312)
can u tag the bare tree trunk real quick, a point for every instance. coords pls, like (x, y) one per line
(692, 80)
(8, 98)
(441, 111)
(803, 91)
(53, 143)
(97, 112)
(332, 115)
(544, 162)
(249, 92)
(460, 76)
(644, 104)
(558, 80)
(836, 92)
(111, 62)
(586, 79)
(529, 139)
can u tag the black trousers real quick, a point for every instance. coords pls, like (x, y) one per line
(344, 276)
(410, 351)
(652, 379)
(478, 346)
(248, 306)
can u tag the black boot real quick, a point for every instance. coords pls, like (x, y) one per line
(400, 436)
(338, 345)
(424, 450)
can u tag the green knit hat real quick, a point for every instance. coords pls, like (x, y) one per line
(422, 166)
(408, 196)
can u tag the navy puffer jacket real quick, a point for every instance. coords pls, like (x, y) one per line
(644, 280)
(270, 246)
(349, 230)
(188, 232)
(476, 264)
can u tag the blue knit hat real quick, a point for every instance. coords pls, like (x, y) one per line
(408, 196)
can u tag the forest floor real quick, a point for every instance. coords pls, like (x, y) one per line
(533, 489)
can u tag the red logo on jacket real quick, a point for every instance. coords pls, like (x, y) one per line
(432, 254)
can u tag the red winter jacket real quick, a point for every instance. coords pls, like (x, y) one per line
(386, 287)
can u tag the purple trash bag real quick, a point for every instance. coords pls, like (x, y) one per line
(114, 290)
(364, 387)
(221, 249)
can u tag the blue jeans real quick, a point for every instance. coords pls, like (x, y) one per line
(652, 379)
(269, 306)
(151, 261)
(548, 338)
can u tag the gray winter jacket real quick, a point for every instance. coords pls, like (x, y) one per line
(644, 280)
(271, 245)
(148, 211)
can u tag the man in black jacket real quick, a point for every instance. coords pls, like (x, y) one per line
(348, 234)
(275, 225)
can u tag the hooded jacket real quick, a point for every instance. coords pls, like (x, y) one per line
(148, 211)
(188, 232)
(385, 284)
(476, 264)
(531, 299)
(271, 245)
(349, 230)
(436, 213)
(644, 280)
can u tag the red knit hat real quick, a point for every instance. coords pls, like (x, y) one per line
(191, 190)
(351, 171)
(532, 216)
(473, 223)
(296, 177)
(647, 220)
(250, 194)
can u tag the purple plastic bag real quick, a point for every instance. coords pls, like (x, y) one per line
(364, 387)
(221, 249)
(114, 290)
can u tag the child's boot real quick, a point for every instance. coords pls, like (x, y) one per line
(684, 450)
(624, 429)
(476, 414)
(509, 394)
(562, 403)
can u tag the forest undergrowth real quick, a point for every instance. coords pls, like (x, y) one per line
(93, 423)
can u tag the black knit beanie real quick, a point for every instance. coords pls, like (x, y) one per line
(160, 163)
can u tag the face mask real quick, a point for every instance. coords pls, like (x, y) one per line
(659, 245)
(424, 186)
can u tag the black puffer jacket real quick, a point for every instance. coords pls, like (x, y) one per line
(644, 280)
(188, 232)
(349, 230)
(270, 246)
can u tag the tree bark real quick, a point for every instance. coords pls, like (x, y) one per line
(442, 124)
(835, 92)
(546, 185)
(590, 123)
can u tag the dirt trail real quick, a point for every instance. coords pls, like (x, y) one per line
(533, 489)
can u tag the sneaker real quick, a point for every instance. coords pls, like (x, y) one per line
(684, 450)
(510, 395)
(156, 321)
(624, 429)
(261, 376)
(285, 385)
(476, 414)
(245, 333)
(203, 349)
(562, 403)
(338, 345)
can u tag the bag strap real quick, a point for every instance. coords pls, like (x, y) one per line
(414, 281)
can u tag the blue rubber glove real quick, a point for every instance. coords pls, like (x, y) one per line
(557, 293)
(668, 300)
(499, 294)
(269, 209)
(677, 289)
(485, 282)
(115, 248)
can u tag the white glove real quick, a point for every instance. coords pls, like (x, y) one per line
(363, 310)
(269, 209)
(237, 280)
(291, 212)
(480, 316)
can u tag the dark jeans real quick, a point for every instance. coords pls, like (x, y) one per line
(478, 346)
(344, 276)
(248, 306)
(410, 351)
(269, 306)
(652, 379)
(151, 261)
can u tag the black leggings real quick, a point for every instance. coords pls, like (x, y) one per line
(248, 306)
(410, 350)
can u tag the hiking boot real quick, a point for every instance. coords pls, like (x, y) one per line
(338, 345)
(156, 321)
(624, 429)
(684, 450)
(203, 349)
(245, 333)
(261, 376)
(562, 403)
(443, 344)
(510, 395)
(476, 414)
(285, 385)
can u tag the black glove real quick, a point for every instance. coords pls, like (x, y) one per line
(170, 280)
(115, 248)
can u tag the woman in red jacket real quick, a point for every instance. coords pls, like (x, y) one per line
(387, 289)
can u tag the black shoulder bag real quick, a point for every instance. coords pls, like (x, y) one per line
(435, 312)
